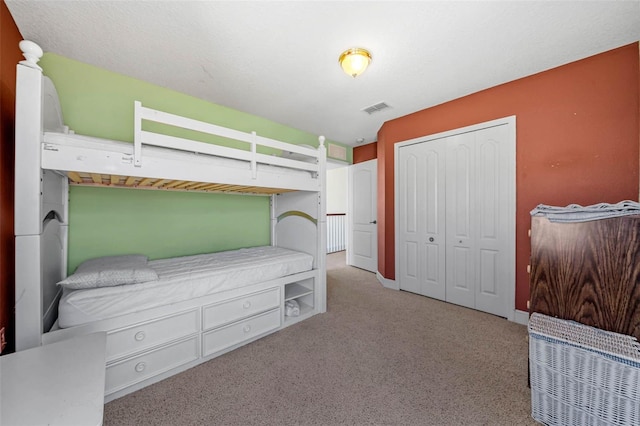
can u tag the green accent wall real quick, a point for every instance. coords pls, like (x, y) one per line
(108, 221)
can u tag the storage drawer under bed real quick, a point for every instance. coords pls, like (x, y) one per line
(235, 309)
(233, 334)
(136, 369)
(144, 336)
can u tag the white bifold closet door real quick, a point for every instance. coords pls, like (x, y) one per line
(421, 183)
(455, 241)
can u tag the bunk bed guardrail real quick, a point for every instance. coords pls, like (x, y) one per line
(161, 140)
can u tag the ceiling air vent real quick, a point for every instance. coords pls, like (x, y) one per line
(375, 108)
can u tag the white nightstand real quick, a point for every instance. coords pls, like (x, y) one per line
(57, 384)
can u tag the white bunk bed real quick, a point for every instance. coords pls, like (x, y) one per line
(145, 346)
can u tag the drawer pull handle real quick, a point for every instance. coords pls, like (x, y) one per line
(247, 304)
(140, 367)
(139, 336)
(247, 328)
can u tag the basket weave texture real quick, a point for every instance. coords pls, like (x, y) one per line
(582, 375)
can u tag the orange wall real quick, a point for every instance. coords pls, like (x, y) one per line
(578, 134)
(365, 152)
(9, 56)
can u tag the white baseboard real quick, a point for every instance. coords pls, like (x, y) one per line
(387, 283)
(521, 317)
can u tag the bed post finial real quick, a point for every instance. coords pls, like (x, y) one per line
(321, 139)
(32, 54)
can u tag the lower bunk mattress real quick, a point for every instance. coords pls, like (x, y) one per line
(180, 279)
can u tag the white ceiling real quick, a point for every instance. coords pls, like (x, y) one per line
(278, 59)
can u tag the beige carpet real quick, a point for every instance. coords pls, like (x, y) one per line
(377, 357)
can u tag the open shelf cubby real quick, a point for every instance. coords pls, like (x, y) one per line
(303, 293)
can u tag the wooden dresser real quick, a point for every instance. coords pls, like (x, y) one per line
(588, 272)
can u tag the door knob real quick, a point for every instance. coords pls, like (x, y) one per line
(374, 221)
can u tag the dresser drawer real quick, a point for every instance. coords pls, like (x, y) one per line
(140, 337)
(136, 369)
(235, 309)
(233, 334)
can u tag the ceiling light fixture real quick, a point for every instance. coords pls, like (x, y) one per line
(354, 61)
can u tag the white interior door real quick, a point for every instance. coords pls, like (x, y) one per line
(455, 217)
(421, 225)
(362, 244)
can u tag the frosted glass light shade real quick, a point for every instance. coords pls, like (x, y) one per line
(354, 61)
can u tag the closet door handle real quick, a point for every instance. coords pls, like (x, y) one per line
(374, 222)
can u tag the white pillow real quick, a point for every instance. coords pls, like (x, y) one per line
(110, 271)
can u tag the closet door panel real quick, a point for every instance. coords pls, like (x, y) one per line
(491, 210)
(421, 219)
(433, 221)
(460, 279)
(408, 221)
(409, 260)
(461, 218)
(460, 157)
(411, 196)
(431, 262)
(432, 225)
(488, 189)
(488, 275)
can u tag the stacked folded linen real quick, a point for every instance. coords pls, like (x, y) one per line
(578, 213)
(291, 308)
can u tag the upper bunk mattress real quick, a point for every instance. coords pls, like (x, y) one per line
(182, 278)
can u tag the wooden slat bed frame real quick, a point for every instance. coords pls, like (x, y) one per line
(115, 181)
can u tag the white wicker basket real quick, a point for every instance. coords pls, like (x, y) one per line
(582, 375)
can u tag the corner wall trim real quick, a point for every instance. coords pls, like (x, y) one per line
(387, 283)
